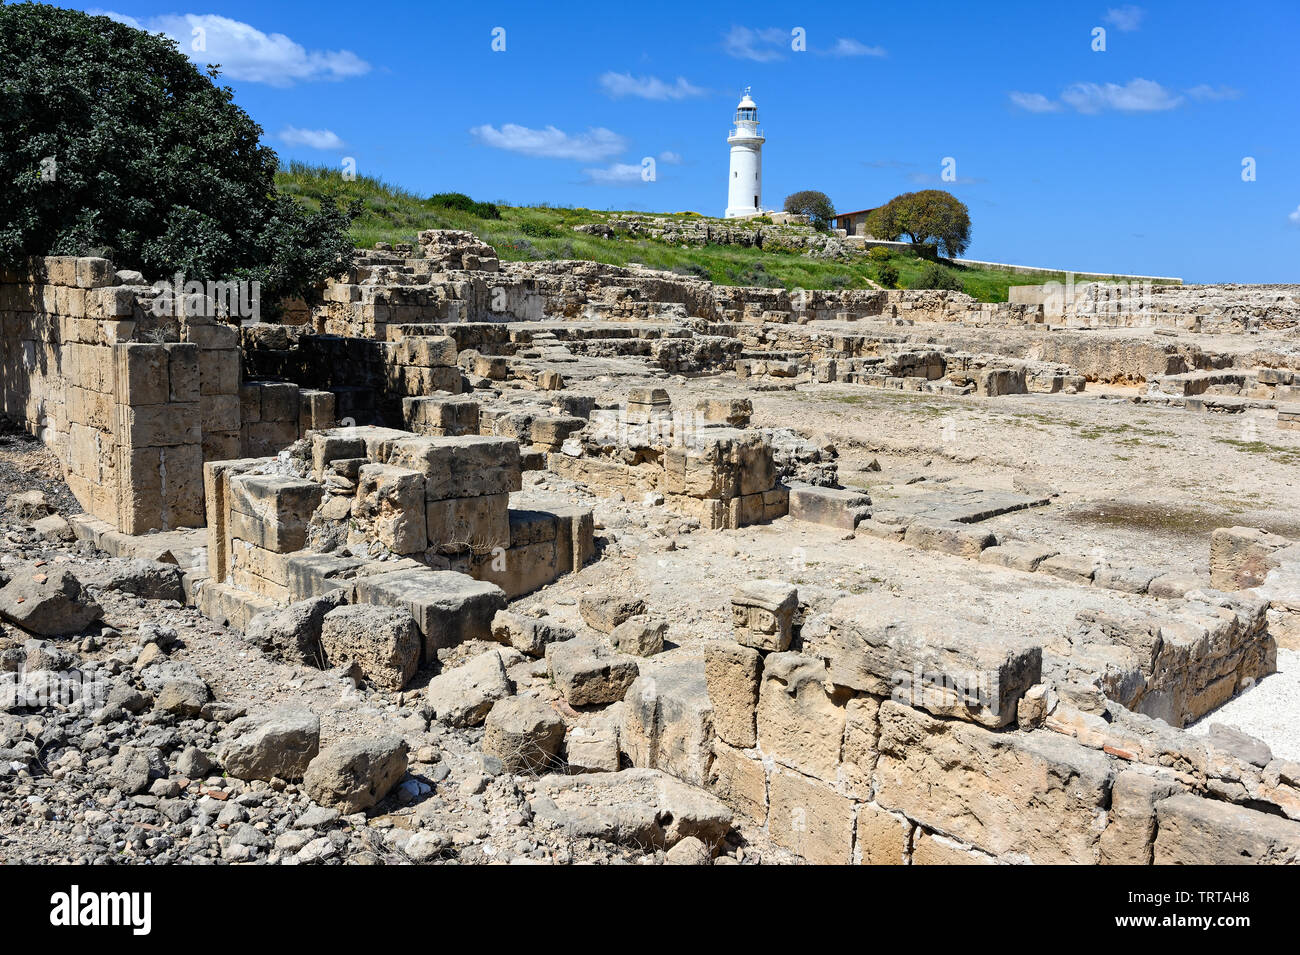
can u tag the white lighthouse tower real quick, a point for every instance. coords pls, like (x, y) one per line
(745, 185)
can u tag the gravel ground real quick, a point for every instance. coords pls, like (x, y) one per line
(1269, 711)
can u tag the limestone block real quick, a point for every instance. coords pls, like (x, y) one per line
(333, 446)
(1241, 557)
(478, 524)
(219, 372)
(575, 542)
(732, 674)
(948, 537)
(449, 608)
(216, 476)
(525, 734)
(467, 466)
(587, 672)
(279, 402)
(141, 374)
(604, 610)
(733, 411)
(1018, 555)
(1130, 580)
(389, 507)
(929, 848)
(762, 613)
(219, 413)
(811, 819)
(640, 636)
(382, 641)
(315, 410)
(156, 426)
(637, 807)
(861, 745)
(272, 510)
(441, 415)
(311, 575)
(883, 837)
(92, 272)
(1078, 570)
(888, 646)
(1130, 834)
(800, 716)
(1038, 796)
(550, 431)
(427, 350)
(464, 695)
(739, 780)
(668, 720)
(529, 635)
(592, 744)
(520, 569)
(1195, 831)
(182, 372)
(834, 507)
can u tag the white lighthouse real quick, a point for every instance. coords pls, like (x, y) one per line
(745, 184)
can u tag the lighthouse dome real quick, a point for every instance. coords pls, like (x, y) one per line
(747, 109)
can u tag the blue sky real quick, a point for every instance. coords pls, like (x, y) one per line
(1128, 159)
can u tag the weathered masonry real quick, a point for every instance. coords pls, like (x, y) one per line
(434, 437)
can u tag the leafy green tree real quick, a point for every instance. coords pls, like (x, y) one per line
(930, 217)
(115, 143)
(815, 205)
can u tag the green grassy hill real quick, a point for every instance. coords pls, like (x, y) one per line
(392, 214)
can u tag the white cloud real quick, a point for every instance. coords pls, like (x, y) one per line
(244, 52)
(1295, 216)
(763, 46)
(1035, 102)
(669, 158)
(594, 145)
(846, 46)
(619, 85)
(619, 174)
(312, 138)
(1135, 96)
(1213, 94)
(1125, 19)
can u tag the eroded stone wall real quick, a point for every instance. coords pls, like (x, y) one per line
(129, 400)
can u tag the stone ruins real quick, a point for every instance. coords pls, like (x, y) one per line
(627, 534)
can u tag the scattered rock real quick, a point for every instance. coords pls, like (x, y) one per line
(638, 807)
(48, 601)
(280, 744)
(463, 696)
(383, 642)
(353, 775)
(293, 634)
(524, 733)
(587, 672)
(604, 611)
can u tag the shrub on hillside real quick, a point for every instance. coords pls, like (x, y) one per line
(935, 276)
(463, 203)
(878, 253)
(115, 142)
(539, 230)
(887, 275)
